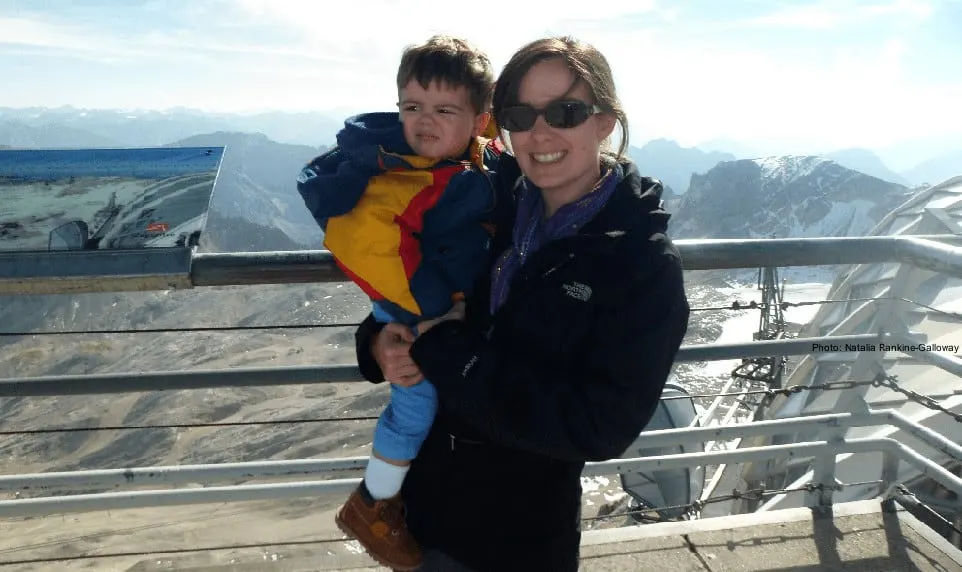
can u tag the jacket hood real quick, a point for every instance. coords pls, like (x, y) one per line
(634, 207)
(381, 129)
(376, 140)
(366, 136)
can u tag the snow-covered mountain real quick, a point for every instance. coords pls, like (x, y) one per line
(784, 197)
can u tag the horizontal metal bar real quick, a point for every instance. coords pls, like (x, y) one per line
(932, 438)
(295, 267)
(106, 383)
(924, 252)
(175, 475)
(928, 467)
(765, 348)
(202, 474)
(943, 361)
(142, 499)
(876, 418)
(718, 254)
(66, 272)
(669, 437)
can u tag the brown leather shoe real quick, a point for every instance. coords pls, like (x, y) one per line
(378, 525)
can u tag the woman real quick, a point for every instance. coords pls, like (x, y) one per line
(562, 355)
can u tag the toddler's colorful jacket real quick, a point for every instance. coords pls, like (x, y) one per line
(409, 231)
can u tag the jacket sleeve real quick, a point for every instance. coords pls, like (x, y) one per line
(363, 337)
(331, 185)
(590, 412)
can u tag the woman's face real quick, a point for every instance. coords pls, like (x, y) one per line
(564, 163)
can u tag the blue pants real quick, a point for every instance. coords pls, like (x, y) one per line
(404, 424)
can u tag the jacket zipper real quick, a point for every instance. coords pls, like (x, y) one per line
(528, 281)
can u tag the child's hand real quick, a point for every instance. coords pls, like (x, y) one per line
(455, 313)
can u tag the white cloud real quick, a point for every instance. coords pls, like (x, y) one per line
(256, 54)
(829, 14)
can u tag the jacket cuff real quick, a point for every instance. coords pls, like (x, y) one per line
(445, 354)
(363, 338)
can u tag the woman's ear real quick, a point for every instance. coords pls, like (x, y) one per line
(606, 125)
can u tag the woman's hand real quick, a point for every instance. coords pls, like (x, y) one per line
(391, 349)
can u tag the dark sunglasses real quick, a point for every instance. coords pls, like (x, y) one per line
(560, 115)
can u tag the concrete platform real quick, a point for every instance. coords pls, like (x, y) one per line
(853, 537)
(856, 537)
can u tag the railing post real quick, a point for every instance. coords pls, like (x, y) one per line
(890, 478)
(823, 475)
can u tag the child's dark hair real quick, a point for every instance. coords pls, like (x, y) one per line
(451, 61)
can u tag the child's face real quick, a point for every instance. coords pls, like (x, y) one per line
(439, 121)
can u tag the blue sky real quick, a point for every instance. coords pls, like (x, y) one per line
(822, 73)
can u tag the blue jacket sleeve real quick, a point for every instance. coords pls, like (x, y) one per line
(331, 184)
(590, 412)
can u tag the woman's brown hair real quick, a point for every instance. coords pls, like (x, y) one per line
(586, 63)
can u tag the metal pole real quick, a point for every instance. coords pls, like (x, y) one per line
(931, 255)
(713, 254)
(928, 467)
(295, 267)
(106, 383)
(932, 438)
(765, 348)
(63, 272)
(177, 474)
(187, 474)
(142, 499)
(162, 269)
(946, 362)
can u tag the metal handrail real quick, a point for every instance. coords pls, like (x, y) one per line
(127, 382)
(154, 498)
(193, 474)
(182, 268)
(23, 275)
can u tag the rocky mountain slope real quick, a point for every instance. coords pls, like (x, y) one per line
(783, 197)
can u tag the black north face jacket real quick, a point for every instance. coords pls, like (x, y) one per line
(570, 369)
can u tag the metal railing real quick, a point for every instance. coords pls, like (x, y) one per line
(823, 451)
(126, 271)
(180, 268)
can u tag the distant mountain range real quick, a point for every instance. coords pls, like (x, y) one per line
(673, 164)
(71, 127)
(256, 205)
(784, 197)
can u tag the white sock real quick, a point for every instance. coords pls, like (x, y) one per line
(384, 480)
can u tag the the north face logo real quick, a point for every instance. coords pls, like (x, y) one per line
(578, 291)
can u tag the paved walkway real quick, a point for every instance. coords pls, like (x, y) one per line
(856, 537)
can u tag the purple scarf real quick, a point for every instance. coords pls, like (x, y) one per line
(531, 231)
